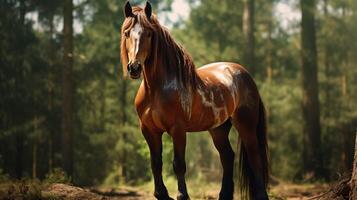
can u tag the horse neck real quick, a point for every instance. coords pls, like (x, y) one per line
(161, 77)
(175, 72)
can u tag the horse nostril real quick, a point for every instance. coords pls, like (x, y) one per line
(139, 66)
(128, 67)
(136, 66)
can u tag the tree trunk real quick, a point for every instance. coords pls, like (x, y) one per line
(269, 72)
(67, 88)
(124, 121)
(327, 62)
(312, 161)
(19, 134)
(50, 95)
(353, 183)
(50, 154)
(248, 30)
(19, 154)
(34, 147)
(102, 109)
(345, 136)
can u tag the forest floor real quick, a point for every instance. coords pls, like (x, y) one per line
(62, 191)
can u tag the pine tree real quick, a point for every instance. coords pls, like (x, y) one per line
(312, 161)
(67, 88)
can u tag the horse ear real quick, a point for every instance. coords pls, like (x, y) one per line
(127, 10)
(148, 9)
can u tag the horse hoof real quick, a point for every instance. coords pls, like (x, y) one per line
(262, 197)
(164, 196)
(225, 197)
(181, 196)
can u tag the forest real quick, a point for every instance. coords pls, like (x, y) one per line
(67, 113)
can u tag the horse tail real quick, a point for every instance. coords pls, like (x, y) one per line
(245, 173)
(263, 142)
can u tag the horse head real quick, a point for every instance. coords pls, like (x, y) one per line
(136, 41)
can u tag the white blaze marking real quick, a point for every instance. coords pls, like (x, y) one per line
(226, 75)
(136, 35)
(209, 102)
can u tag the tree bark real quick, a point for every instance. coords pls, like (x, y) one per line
(124, 121)
(248, 30)
(327, 62)
(269, 72)
(50, 94)
(19, 154)
(67, 88)
(353, 183)
(34, 147)
(19, 134)
(312, 161)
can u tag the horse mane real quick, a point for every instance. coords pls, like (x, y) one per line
(164, 51)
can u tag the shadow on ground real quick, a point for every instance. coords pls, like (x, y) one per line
(62, 191)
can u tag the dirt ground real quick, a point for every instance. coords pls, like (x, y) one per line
(67, 192)
(72, 192)
(282, 191)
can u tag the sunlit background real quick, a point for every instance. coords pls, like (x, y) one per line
(106, 146)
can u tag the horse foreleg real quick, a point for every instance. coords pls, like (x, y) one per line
(154, 141)
(222, 144)
(179, 164)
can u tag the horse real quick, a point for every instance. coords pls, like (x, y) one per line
(177, 98)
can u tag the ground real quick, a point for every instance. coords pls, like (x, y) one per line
(63, 191)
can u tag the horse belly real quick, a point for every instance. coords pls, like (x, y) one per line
(202, 117)
(201, 121)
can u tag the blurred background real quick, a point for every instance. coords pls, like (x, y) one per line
(64, 105)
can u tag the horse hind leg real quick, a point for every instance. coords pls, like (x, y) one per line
(222, 144)
(253, 163)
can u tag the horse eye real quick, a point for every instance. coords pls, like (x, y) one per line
(127, 34)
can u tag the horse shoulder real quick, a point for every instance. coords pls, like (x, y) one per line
(141, 103)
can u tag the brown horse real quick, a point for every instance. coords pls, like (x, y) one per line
(176, 98)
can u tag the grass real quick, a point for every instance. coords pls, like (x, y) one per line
(31, 188)
(197, 189)
(23, 189)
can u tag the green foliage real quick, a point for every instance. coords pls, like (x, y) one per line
(109, 148)
(284, 118)
(57, 176)
(212, 24)
(3, 177)
(24, 189)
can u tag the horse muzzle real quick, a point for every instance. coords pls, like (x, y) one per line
(134, 69)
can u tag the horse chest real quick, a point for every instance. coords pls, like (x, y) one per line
(162, 113)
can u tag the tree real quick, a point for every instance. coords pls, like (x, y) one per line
(103, 123)
(67, 88)
(248, 30)
(19, 136)
(312, 161)
(353, 183)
